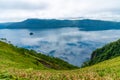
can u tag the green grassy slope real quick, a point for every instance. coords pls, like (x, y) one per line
(11, 56)
(11, 70)
(106, 70)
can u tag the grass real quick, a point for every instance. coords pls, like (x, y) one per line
(107, 70)
(11, 56)
(16, 66)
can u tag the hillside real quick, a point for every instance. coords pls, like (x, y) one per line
(109, 51)
(11, 56)
(107, 70)
(2, 26)
(85, 24)
(22, 64)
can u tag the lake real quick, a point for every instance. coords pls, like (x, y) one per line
(70, 44)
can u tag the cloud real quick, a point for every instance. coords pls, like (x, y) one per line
(70, 44)
(23, 9)
(21, 5)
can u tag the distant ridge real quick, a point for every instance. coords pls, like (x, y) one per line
(85, 24)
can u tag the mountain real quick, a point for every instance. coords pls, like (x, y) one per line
(11, 56)
(4, 25)
(40, 24)
(109, 51)
(85, 24)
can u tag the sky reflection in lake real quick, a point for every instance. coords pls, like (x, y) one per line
(69, 44)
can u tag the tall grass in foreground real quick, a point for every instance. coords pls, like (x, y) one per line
(81, 74)
(107, 70)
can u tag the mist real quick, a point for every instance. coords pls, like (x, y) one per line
(70, 44)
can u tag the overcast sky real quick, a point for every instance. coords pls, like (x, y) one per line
(17, 10)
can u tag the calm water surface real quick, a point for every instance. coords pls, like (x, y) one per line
(69, 44)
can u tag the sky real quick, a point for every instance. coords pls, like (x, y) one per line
(17, 10)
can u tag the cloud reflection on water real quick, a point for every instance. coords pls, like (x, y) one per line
(69, 44)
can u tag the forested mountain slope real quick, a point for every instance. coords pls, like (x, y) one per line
(109, 51)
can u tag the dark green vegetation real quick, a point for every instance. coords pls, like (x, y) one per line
(11, 56)
(109, 51)
(86, 24)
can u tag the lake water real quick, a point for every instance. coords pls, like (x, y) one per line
(70, 44)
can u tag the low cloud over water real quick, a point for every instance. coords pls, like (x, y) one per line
(69, 44)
